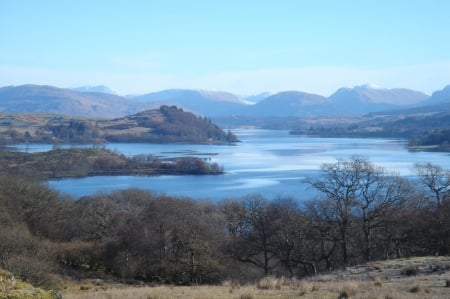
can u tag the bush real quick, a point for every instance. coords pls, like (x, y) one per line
(26, 257)
(410, 271)
(416, 289)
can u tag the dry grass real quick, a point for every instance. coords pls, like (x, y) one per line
(381, 280)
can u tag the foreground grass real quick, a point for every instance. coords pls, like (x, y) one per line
(12, 288)
(398, 279)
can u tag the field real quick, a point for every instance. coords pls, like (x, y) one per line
(427, 277)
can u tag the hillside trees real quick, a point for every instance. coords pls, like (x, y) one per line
(137, 235)
(252, 227)
(436, 182)
(355, 188)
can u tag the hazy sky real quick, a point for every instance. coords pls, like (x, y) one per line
(241, 46)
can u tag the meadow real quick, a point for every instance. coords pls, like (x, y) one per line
(420, 277)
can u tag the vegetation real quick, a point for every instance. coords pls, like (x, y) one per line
(379, 280)
(131, 236)
(16, 289)
(80, 162)
(166, 124)
(424, 131)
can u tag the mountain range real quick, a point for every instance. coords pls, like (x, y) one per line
(100, 102)
(49, 99)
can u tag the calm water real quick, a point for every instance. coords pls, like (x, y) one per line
(272, 163)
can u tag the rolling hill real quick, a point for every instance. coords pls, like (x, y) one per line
(288, 104)
(166, 124)
(209, 103)
(368, 98)
(49, 99)
(354, 101)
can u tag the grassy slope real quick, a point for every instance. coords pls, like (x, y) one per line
(167, 124)
(12, 288)
(426, 277)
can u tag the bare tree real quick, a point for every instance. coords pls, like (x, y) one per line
(437, 182)
(339, 183)
(357, 189)
(435, 179)
(252, 227)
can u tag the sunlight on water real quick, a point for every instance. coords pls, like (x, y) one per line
(272, 163)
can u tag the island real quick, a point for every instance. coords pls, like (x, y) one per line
(82, 162)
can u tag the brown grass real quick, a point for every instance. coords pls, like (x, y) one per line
(380, 280)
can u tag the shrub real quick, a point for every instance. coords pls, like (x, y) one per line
(378, 283)
(416, 289)
(410, 271)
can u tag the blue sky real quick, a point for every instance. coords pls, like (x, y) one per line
(243, 47)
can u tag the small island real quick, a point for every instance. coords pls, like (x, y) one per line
(82, 162)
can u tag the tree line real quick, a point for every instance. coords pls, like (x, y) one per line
(361, 213)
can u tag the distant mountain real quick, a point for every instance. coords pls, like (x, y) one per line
(369, 98)
(97, 88)
(439, 97)
(288, 104)
(90, 102)
(48, 99)
(437, 103)
(257, 97)
(209, 103)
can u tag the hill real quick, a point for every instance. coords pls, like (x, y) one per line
(99, 102)
(439, 97)
(49, 99)
(368, 98)
(209, 103)
(288, 104)
(166, 124)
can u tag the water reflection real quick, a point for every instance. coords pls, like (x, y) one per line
(272, 163)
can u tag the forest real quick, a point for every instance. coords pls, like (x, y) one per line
(362, 213)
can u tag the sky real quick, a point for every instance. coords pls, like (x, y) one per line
(241, 46)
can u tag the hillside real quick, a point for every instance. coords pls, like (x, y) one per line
(166, 124)
(203, 102)
(421, 277)
(49, 99)
(13, 288)
(288, 104)
(439, 97)
(368, 98)
(99, 102)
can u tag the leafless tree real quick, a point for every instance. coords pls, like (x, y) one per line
(357, 189)
(435, 179)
